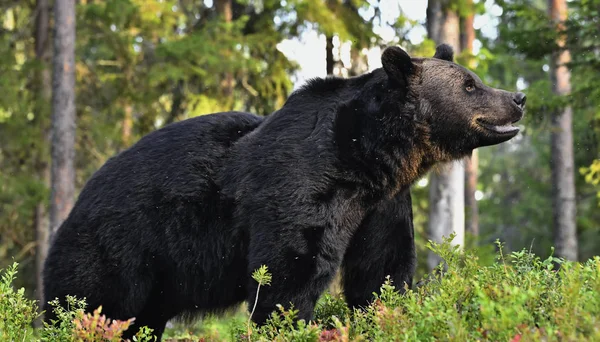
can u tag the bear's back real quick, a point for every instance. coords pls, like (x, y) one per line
(176, 163)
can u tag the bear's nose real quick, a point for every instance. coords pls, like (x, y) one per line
(520, 99)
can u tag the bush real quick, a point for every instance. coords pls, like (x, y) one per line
(519, 297)
(63, 328)
(17, 314)
(16, 311)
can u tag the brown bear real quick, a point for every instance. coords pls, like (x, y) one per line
(175, 225)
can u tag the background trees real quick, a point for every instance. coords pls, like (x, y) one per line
(141, 64)
(447, 183)
(562, 163)
(62, 183)
(536, 64)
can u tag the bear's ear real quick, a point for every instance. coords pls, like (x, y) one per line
(444, 52)
(396, 63)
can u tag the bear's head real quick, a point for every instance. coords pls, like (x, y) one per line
(459, 112)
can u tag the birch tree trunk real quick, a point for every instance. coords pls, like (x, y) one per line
(63, 114)
(562, 163)
(447, 185)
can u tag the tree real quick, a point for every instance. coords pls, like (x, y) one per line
(467, 37)
(225, 13)
(43, 98)
(562, 161)
(63, 114)
(346, 22)
(446, 185)
(520, 199)
(329, 61)
(140, 64)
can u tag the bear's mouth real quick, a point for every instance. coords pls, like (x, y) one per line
(502, 129)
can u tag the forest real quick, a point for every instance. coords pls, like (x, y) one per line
(84, 80)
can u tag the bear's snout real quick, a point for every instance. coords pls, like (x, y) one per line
(520, 98)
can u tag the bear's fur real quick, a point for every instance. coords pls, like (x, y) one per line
(176, 224)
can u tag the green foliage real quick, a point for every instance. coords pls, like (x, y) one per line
(262, 275)
(592, 176)
(330, 308)
(519, 295)
(144, 335)
(466, 7)
(62, 328)
(226, 327)
(523, 22)
(71, 324)
(17, 312)
(516, 177)
(22, 148)
(281, 327)
(341, 18)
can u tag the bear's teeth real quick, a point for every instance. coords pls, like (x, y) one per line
(505, 128)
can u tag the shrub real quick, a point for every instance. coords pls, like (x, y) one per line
(16, 311)
(63, 327)
(519, 297)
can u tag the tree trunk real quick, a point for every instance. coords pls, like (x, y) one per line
(446, 186)
(435, 19)
(471, 170)
(225, 12)
(467, 37)
(63, 114)
(127, 126)
(329, 62)
(44, 94)
(562, 163)
(467, 34)
(41, 236)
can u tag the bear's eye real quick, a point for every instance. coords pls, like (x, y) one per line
(470, 88)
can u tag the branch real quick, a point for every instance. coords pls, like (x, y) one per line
(248, 87)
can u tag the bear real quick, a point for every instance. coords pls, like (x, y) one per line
(175, 225)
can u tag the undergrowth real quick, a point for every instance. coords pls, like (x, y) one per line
(519, 297)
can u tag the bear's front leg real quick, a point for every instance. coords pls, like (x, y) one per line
(383, 245)
(302, 264)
